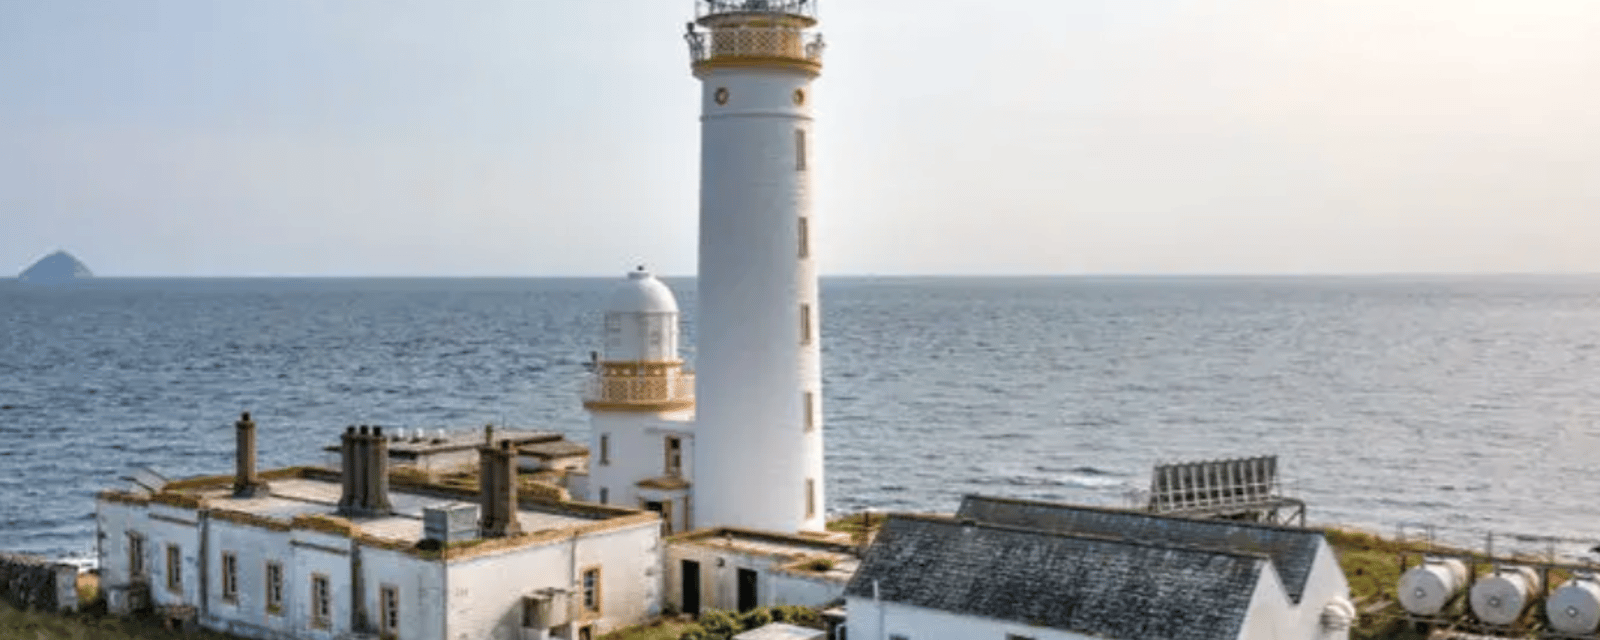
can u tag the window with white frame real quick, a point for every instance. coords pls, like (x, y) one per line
(389, 612)
(174, 568)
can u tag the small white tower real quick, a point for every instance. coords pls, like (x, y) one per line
(640, 403)
(760, 416)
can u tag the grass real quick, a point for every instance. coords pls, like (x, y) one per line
(660, 629)
(91, 624)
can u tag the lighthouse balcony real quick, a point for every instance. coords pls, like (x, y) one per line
(749, 37)
(797, 8)
(673, 389)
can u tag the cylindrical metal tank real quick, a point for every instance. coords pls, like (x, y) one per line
(1574, 607)
(1428, 587)
(1501, 597)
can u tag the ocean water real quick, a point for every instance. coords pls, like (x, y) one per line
(1468, 404)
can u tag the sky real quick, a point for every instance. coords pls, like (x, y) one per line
(560, 137)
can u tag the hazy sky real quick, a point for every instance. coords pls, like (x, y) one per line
(560, 137)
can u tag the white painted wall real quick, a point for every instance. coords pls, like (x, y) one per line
(314, 552)
(421, 585)
(165, 525)
(752, 366)
(637, 451)
(719, 584)
(115, 520)
(485, 593)
(1274, 616)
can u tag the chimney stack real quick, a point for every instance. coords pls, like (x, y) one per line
(497, 482)
(246, 483)
(364, 456)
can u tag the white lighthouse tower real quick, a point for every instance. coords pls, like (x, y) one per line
(641, 403)
(759, 428)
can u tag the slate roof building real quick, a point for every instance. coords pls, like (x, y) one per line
(1013, 569)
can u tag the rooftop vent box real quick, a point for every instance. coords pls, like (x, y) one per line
(452, 522)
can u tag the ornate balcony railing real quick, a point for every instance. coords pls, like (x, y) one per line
(673, 388)
(754, 42)
(806, 8)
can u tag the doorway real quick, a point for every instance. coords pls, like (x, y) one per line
(690, 587)
(747, 589)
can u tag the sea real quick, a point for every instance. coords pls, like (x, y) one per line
(1468, 407)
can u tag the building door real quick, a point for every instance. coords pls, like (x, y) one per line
(747, 589)
(690, 583)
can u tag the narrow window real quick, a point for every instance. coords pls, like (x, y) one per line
(321, 602)
(389, 620)
(591, 590)
(274, 588)
(136, 567)
(811, 498)
(1013, 636)
(674, 456)
(805, 237)
(898, 637)
(805, 324)
(605, 495)
(800, 149)
(174, 567)
(605, 448)
(809, 400)
(230, 577)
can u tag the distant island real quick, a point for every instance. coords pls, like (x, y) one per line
(56, 268)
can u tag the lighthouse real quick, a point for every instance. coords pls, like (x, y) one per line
(758, 427)
(641, 403)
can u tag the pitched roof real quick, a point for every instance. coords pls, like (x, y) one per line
(1079, 583)
(1293, 549)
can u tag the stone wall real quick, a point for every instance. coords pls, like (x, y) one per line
(31, 582)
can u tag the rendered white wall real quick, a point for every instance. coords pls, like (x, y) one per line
(752, 367)
(485, 593)
(719, 584)
(165, 525)
(637, 450)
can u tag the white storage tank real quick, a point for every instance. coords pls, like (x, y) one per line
(1428, 587)
(1500, 598)
(1574, 607)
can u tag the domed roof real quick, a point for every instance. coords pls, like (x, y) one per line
(642, 293)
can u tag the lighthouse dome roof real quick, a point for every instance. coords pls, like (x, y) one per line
(642, 292)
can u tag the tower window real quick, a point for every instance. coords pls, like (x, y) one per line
(605, 495)
(805, 237)
(674, 456)
(805, 324)
(605, 448)
(799, 149)
(809, 402)
(811, 498)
